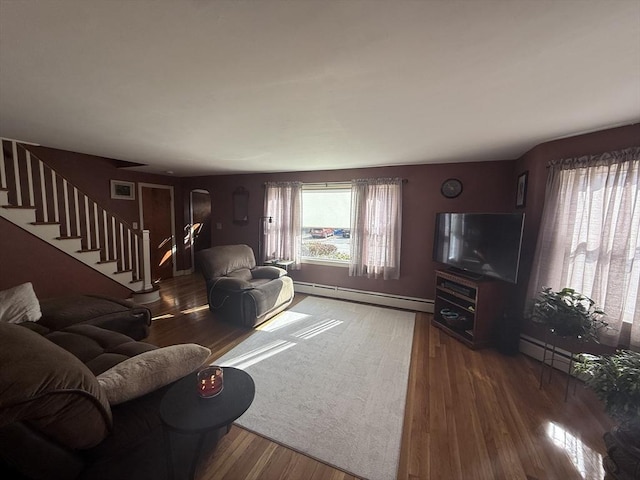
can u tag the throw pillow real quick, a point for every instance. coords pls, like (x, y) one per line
(19, 304)
(151, 370)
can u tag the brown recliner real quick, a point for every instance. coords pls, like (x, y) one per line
(56, 422)
(239, 291)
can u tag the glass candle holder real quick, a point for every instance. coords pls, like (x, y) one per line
(210, 381)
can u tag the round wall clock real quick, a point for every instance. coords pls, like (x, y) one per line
(451, 188)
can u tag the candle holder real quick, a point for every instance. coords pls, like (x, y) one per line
(210, 381)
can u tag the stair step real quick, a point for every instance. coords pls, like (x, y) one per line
(85, 250)
(20, 207)
(107, 261)
(124, 271)
(69, 237)
(45, 223)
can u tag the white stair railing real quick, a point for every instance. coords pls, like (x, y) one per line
(31, 183)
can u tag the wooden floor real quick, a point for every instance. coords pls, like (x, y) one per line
(469, 414)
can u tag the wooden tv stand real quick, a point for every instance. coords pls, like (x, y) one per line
(480, 301)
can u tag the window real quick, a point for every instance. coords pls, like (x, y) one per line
(589, 238)
(326, 220)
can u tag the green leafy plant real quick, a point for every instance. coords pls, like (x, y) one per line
(616, 381)
(568, 313)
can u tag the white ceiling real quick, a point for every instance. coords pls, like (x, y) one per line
(206, 87)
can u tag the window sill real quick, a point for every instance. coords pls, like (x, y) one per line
(325, 262)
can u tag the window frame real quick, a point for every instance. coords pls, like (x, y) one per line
(340, 185)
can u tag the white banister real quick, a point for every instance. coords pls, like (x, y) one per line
(43, 193)
(16, 169)
(67, 218)
(76, 206)
(56, 211)
(32, 201)
(146, 263)
(3, 170)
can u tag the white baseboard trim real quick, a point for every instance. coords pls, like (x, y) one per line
(376, 298)
(535, 348)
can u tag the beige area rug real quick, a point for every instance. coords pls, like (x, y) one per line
(331, 382)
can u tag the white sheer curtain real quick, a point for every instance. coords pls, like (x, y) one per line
(282, 236)
(376, 227)
(589, 237)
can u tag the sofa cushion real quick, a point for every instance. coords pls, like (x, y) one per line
(49, 388)
(268, 272)
(151, 370)
(97, 348)
(222, 260)
(19, 304)
(106, 312)
(241, 274)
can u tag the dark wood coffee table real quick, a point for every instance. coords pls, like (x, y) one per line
(183, 411)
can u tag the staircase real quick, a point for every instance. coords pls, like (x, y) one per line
(36, 198)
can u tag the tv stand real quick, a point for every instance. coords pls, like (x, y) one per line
(479, 301)
(466, 274)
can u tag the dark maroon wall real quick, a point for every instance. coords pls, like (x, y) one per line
(535, 161)
(488, 187)
(26, 258)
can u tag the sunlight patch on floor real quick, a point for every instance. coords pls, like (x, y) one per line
(317, 329)
(257, 355)
(194, 309)
(282, 320)
(587, 461)
(162, 317)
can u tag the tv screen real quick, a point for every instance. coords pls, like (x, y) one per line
(482, 244)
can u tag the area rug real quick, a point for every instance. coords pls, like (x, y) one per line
(331, 382)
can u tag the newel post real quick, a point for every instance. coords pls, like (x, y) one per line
(146, 261)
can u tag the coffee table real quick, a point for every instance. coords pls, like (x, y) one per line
(183, 411)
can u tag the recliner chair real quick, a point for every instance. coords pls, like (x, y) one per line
(240, 292)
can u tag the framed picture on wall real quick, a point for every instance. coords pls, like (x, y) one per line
(121, 190)
(521, 190)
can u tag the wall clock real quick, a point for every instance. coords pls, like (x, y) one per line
(451, 188)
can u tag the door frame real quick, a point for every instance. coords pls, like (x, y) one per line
(191, 192)
(141, 185)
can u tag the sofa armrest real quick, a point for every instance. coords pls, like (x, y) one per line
(269, 272)
(230, 284)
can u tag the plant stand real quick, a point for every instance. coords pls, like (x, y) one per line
(551, 347)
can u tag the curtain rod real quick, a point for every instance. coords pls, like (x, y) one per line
(326, 184)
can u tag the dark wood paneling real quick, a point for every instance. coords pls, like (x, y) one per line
(26, 258)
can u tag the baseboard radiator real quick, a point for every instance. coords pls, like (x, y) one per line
(535, 348)
(376, 298)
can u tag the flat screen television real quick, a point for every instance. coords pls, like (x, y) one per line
(480, 244)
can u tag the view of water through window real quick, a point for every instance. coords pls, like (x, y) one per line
(326, 217)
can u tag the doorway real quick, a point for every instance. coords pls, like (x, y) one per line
(157, 216)
(200, 224)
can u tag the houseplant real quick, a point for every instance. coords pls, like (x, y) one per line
(568, 313)
(616, 381)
